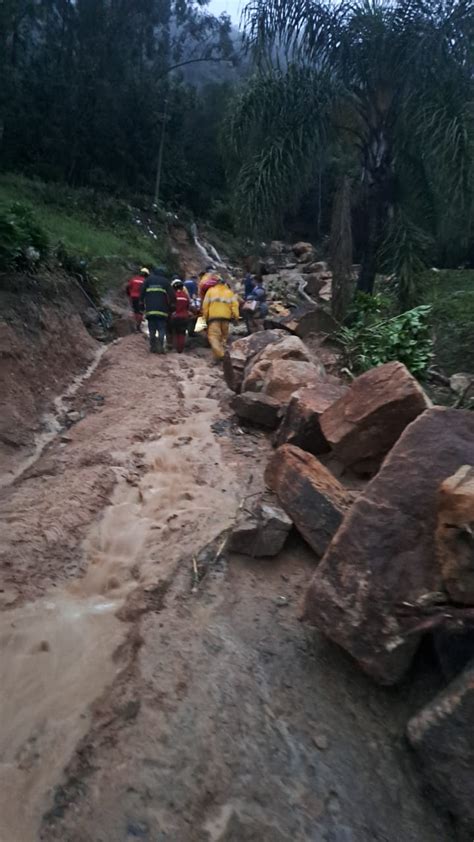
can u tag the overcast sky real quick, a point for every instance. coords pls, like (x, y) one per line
(232, 7)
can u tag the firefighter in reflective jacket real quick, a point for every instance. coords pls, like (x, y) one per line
(220, 307)
(134, 291)
(157, 296)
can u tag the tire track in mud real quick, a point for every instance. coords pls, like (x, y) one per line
(61, 652)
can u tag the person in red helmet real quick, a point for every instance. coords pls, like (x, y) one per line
(134, 291)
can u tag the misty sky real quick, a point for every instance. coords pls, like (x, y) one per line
(232, 7)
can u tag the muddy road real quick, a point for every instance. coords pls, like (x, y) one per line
(138, 704)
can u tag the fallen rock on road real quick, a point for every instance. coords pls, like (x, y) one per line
(240, 353)
(261, 530)
(366, 422)
(314, 499)
(442, 735)
(305, 319)
(368, 592)
(258, 408)
(301, 422)
(455, 535)
(282, 377)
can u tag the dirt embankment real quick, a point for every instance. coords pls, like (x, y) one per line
(43, 346)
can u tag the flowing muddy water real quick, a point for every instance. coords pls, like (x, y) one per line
(57, 652)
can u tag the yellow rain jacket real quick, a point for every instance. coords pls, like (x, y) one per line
(220, 304)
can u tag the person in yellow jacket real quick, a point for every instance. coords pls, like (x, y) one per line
(219, 308)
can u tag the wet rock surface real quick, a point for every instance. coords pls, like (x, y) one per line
(455, 535)
(311, 496)
(306, 318)
(240, 353)
(367, 421)
(368, 592)
(261, 529)
(286, 376)
(301, 422)
(258, 408)
(442, 734)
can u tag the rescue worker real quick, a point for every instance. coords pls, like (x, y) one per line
(191, 285)
(180, 316)
(220, 307)
(249, 284)
(133, 290)
(255, 308)
(157, 297)
(206, 279)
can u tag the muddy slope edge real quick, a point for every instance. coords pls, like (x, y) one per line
(43, 346)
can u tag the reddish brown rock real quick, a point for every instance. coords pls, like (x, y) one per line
(366, 422)
(300, 425)
(261, 530)
(380, 569)
(442, 735)
(242, 351)
(283, 377)
(455, 535)
(310, 495)
(267, 365)
(258, 408)
(287, 348)
(305, 319)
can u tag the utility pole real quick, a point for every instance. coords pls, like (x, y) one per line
(160, 155)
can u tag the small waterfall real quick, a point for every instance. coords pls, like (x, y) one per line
(209, 253)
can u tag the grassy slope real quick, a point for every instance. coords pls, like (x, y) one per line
(97, 228)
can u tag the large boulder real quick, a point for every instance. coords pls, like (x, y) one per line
(455, 535)
(258, 408)
(301, 422)
(287, 348)
(314, 284)
(305, 319)
(242, 351)
(442, 735)
(302, 248)
(281, 378)
(365, 423)
(315, 501)
(261, 530)
(371, 589)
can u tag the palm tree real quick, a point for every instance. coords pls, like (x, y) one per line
(389, 84)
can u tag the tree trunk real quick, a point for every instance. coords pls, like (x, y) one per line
(340, 251)
(377, 170)
(368, 268)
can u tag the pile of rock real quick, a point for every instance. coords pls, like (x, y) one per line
(395, 561)
(291, 273)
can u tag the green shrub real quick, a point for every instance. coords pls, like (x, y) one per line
(451, 294)
(374, 338)
(19, 231)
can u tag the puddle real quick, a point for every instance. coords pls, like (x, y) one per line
(51, 423)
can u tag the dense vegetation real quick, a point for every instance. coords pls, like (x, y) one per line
(380, 93)
(350, 124)
(88, 85)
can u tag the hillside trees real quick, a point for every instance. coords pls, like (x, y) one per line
(84, 85)
(384, 87)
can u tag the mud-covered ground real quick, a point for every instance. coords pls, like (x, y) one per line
(141, 704)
